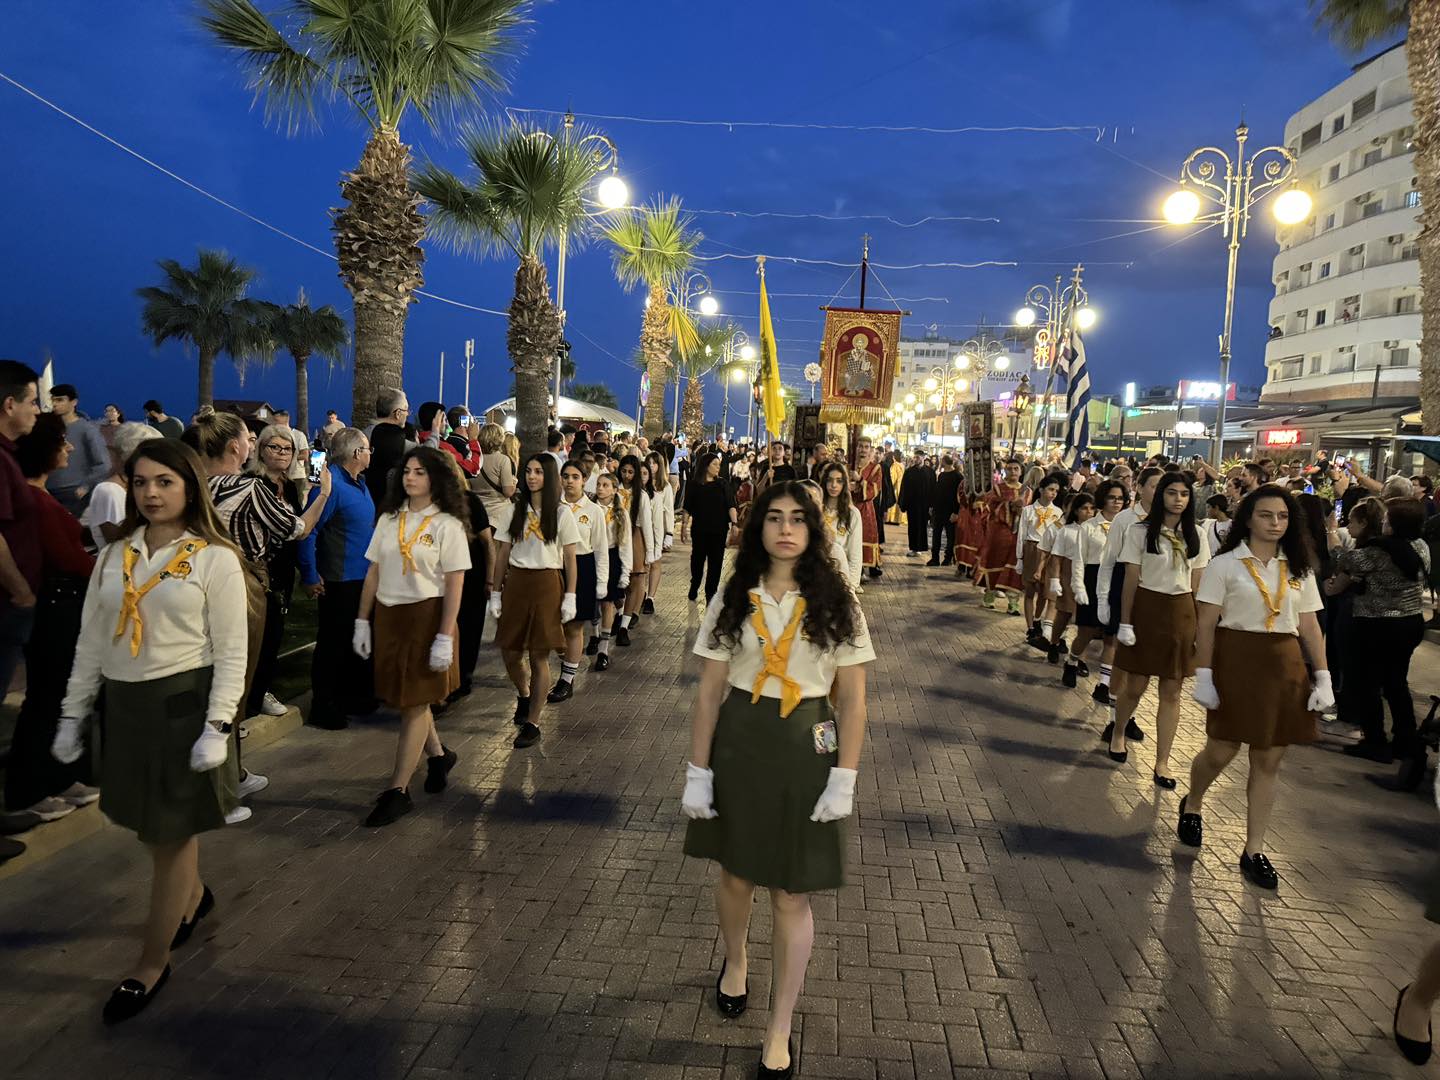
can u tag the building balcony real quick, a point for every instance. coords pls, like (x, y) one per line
(1399, 221)
(1395, 273)
(1325, 339)
(1345, 386)
(1395, 170)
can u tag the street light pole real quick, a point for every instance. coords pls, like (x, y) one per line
(1065, 308)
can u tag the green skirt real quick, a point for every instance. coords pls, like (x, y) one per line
(146, 783)
(767, 779)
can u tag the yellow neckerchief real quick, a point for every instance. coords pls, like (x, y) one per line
(179, 566)
(1042, 516)
(407, 547)
(532, 526)
(1105, 526)
(625, 495)
(777, 655)
(1179, 553)
(832, 522)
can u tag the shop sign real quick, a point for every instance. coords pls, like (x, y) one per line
(1192, 390)
(1281, 438)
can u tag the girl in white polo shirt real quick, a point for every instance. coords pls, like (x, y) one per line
(535, 569)
(1163, 557)
(1110, 499)
(619, 541)
(662, 507)
(1062, 550)
(1258, 600)
(592, 572)
(418, 557)
(772, 768)
(644, 545)
(843, 519)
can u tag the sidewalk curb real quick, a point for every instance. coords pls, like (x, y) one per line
(55, 836)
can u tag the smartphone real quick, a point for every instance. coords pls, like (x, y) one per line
(317, 465)
(464, 422)
(1340, 460)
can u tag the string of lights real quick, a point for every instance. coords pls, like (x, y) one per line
(927, 220)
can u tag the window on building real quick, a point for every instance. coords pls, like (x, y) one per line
(1337, 125)
(1344, 359)
(1329, 221)
(1301, 320)
(1410, 250)
(1412, 198)
(1309, 138)
(1370, 209)
(1405, 305)
(1319, 316)
(1372, 157)
(1324, 269)
(1399, 358)
(1362, 106)
(1292, 368)
(1314, 365)
(1333, 174)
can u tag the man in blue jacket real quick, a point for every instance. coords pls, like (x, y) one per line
(332, 570)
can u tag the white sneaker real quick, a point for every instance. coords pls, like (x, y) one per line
(239, 814)
(78, 794)
(252, 783)
(51, 809)
(270, 705)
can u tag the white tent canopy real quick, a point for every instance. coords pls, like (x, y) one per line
(573, 410)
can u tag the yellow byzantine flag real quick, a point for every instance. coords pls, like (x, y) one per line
(767, 379)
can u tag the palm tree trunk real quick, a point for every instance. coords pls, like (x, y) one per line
(532, 338)
(655, 346)
(1422, 50)
(302, 392)
(206, 396)
(693, 411)
(377, 241)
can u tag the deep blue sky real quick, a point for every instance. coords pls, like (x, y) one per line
(84, 223)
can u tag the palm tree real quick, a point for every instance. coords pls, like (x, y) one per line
(303, 332)
(653, 246)
(594, 394)
(708, 356)
(527, 190)
(383, 58)
(1357, 24)
(207, 309)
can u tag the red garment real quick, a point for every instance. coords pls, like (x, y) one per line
(470, 460)
(995, 568)
(864, 495)
(969, 535)
(17, 517)
(61, 538)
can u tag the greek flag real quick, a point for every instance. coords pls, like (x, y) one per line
(1077, 399)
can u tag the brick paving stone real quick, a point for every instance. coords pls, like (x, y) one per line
(1017, 905)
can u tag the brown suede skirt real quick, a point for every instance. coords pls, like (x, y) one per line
(1164, 636)
(1263, 688)
(530, 612)
(1031, 559)
(1066, 600)
(403, 635)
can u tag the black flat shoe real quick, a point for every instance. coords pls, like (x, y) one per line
(1101, 693)
(437, 770)
(622, 637)
(693, 595)
(786, 1073)
(647, 606)
(390, 807)
(730, 1005)
(1067, 677)
(187, 926)
(602, 662)
(1121, 756)
(131, 997)
(522, 710)
(1415, 1051)
(528, 735)
(592, 648)
(1053, 654)
(1190, 829)
(561, 691)
(1167, 782)
(1133, 732)
(1258, 871)
(1371, 751)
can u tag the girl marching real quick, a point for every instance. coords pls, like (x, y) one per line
(1163, 557)
(619, 544)
(644, 547)
(1037, 520)
(537, 558)
(418, 557)
(592, 573)
(772, 770)
(662, 509)
(1110, 499)
(844, 519)
(1061, 564)
(1257, 611)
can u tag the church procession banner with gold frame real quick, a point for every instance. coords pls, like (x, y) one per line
(859, 356)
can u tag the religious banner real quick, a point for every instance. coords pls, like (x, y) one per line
(859, 355)
(979, 457)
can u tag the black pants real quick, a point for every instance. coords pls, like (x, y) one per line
(277, 605)
(706, 548)
(915, 524)
(32, 773)
(341, 683)
(1379, 666)
(471, 623)
(944, 532)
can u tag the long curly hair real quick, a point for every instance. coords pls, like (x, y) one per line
(446, 491)
(549, 501)
(1295, 544)
(830, 612)
(842, 501)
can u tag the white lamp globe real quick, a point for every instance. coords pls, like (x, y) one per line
(613, 192)
(1085, 318)
(747, 352)
(1292, 206)
(1182, 207)
(1001, 362)
(1025, 317)
(709, 305)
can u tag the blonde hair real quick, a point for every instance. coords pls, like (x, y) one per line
(212, 431)
(511, 448)
(492, 438)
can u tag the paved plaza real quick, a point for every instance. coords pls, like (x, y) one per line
(1017, 904)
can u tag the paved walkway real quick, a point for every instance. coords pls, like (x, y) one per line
(1017, 904)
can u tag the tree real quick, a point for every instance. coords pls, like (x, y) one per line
(527, 190)
(706, 358)
(382, 58)
(653, 246)
(594, 394)
(303, 332)
(206, 308)
(1356, 24)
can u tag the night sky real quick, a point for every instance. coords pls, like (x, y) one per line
(84, 223)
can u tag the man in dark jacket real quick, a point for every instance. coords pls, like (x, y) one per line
(917, 491)
(942, 512)
(388, 441)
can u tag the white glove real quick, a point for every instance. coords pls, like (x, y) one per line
(838, 799)
(567, 608)
(494, 606)
(1081, 596)
(1102, 610)
(442, 652)
(210, 750)
(624, 582)
(669, 541)
(1126, 636)
(1056, 589)
(1322, 697)
(360, 641)
(698, 800)
(69, 743)
(1204, 690)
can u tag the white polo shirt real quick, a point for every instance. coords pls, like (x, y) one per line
(438, 547)
(1168, 570)
(1254, 596)
(812, 668)
(533, 551)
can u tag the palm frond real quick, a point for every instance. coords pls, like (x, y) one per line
(709, 350)
(460, 50)
(683, 332)
(653, 244)
(285, 80)
(1356, 24)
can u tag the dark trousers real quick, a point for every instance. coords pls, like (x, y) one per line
(944, 533)
(1379, 666)
(277, 605)
(341, 683)
(915, 523)
(32, 773)
(707, 553)
(471, 623)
